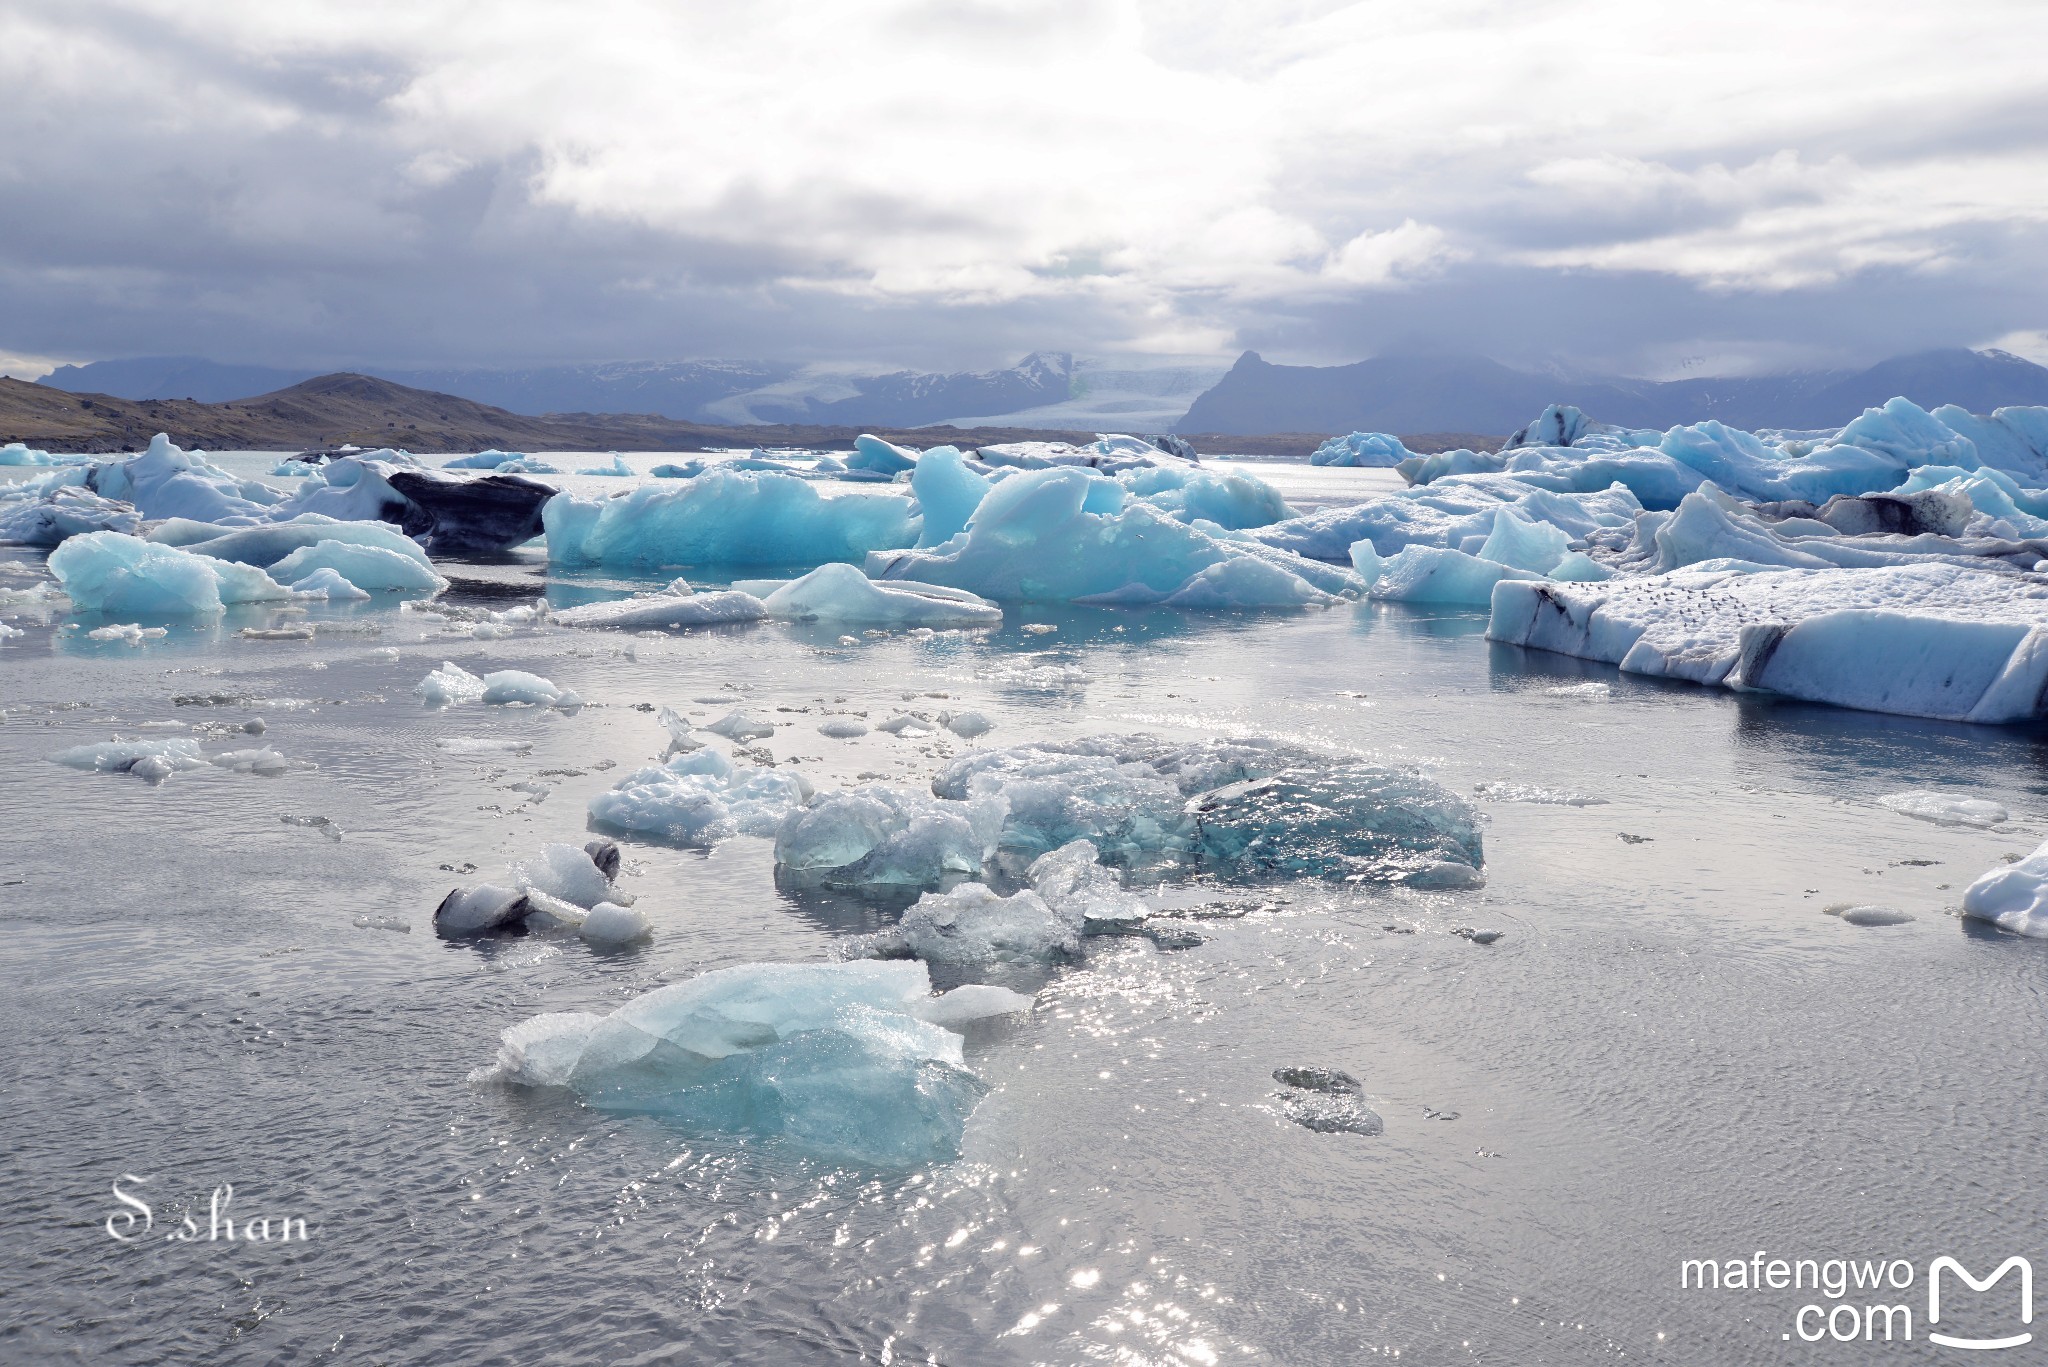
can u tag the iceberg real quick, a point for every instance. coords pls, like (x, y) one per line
(842, 1059)
(516, 687)
(447, 514)
(266, 544)
(448, 685)
(973, 930)
(2013, 897)
(1063, 534)
(700, 798)
(947, 493)
(1072, 880)
(1378, 449)
(726, 517)
(873, 454)
(677, 606)
(366, 567)
(1930, 640)
(116, 573)
(1456, 515)
(47, 516)
(879, 836)
(1248, 808)
(617, 469)
(168, 481)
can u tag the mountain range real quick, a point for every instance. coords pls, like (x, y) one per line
(1052, 391)
(1473, 394)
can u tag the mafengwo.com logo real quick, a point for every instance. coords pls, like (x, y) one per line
(1885, 1300)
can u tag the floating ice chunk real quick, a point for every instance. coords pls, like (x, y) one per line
(1871, 915)
(477, 910)
(884, 458)
(842, 728)
(726, 517)
(882, 836)
(366, 567)
(966, 725)
(113, 572)
(569, 873)
(329, 584)
(841, 593)
(167, 481)
(1920, 640)
(32, 516)
(699, 798)
(1070, 879)
(1459, 515)
(266, 544)
(1522, 544)
(448, 685)
(1378, 449)
(617, 469)
(2013, 897)
(904, 724)
(1945, 809)
(7, 631)
(483, 460)
(263, 761)
(1585, 692)
(152, 760)
(973, 929)
(1062, 534)
(132, 633)
(738, 726)
(611, 924)
(676, 606)
(517, 687)
(837, 1059)
(17, 453)
(1253, 807)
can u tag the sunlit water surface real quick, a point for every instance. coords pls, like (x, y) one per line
(1671, 1053)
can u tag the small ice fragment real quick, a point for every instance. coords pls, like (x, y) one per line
(2014, 897)
(264, 761)
(1585, 692)
(966, 725)
(1478, 937)
(483, 745)
(317, 823)
(450, 684)
(972, 1002)
(516, 687)
(567, 872)
(1870, 915)
(397, 923)
(327, 582)
(849, 640)
(277, 633)
(903, 724)
(611, 924)
(538, 792)
(738, 726)
(132, 633)
(1945, 810)
(842, 728)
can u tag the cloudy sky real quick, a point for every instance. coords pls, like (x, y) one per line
(1656, 187)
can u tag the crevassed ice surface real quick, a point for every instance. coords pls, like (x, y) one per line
(1671, 1052)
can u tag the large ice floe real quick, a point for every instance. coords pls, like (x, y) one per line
(857, 1061)
(1241, 809)
(725, 517)
(2013, 897)
(1933, 640)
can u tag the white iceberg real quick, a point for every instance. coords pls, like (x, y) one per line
(1362, 448)
(1920, 640)
(116, 573)
(2013, 897)
(700, 798)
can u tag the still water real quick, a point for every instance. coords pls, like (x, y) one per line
(1672, 1052)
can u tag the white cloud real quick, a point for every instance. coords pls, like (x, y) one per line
(1179, 165)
